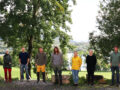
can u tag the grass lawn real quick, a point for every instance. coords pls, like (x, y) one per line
(16, 73)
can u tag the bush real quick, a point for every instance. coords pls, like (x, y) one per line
(1, 60)
(82, 80)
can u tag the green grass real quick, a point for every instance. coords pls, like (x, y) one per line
(16, 73)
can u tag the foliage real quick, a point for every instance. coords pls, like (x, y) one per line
(108, 25)
(1, 60)
(35, 23)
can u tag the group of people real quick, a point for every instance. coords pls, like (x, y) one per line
(57, 63)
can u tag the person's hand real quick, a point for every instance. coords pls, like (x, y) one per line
(119, 65)
(110, 64)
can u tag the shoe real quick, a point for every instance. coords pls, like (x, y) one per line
(37, 81)
(117, 85)
(21, 80)
(55, 83)
(28, 80)
(76, 84)
(112, 84)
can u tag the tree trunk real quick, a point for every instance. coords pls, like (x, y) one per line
(30, 47)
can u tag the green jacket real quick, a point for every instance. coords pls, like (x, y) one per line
(40, 59)
(115, 59)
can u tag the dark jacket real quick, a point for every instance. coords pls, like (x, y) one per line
(91, 62)
(7, 61)
(40, 59)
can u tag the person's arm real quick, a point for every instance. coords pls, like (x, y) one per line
(45, 59)
(62, 61)
(86, 59)
(19, 59)
(10, 60)
(51, 61)
(95, 60)
(111, 60)
(119, 60)
(36, 57)
(80, 62)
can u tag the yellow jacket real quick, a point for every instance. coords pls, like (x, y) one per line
(76, 63)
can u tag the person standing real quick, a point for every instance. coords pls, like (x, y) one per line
(57, 63)
(91, 64)
(7, 65)
(24, 61)
(76, 64)
(115, 64)
(40, 62)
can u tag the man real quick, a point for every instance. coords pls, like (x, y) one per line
(91, 63)
(40, 62)
(76, 64)
(115, 64)
(24, 61)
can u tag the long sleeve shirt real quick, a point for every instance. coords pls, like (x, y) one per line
(76, 63)
(40, 59)
(115, 59)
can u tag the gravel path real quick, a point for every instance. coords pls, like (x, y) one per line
(33, 85)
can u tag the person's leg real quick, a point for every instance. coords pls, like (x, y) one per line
(60, 76)
(29, 69)
(5, 73)
(38, 74)
(113, 74)
(22, 71)
(117, 74)
(88, 76)
(77, 77)
(56, 75)
(43, 72)
(26, 70)
(73, 74)
(9, 70)
(92, 77)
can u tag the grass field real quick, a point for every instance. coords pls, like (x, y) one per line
(16, 73)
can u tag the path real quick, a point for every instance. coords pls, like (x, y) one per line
(32, 85)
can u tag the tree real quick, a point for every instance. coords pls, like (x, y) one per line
(34, 23)
(108, 21)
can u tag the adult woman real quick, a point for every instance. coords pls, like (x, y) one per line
(7, 65)
(91, 63)
(57, 63)
(76, 64)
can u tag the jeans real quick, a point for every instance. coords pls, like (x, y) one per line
(6, 76)
(58, 71)
(75, 76)
(113, 69)
(22, 67)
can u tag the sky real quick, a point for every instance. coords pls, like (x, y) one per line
(84, 19)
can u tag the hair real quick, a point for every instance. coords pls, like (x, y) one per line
(91, 50)
(40, 47)
(57, 50)
(115, 46)
(75, 51)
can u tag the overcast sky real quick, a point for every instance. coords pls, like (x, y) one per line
(84, 19)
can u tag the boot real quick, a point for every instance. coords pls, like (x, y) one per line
(56, 79)
(38, 77)
(43, 73)
(60, 79)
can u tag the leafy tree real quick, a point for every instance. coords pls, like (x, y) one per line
(109, 26)
(34, 23)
